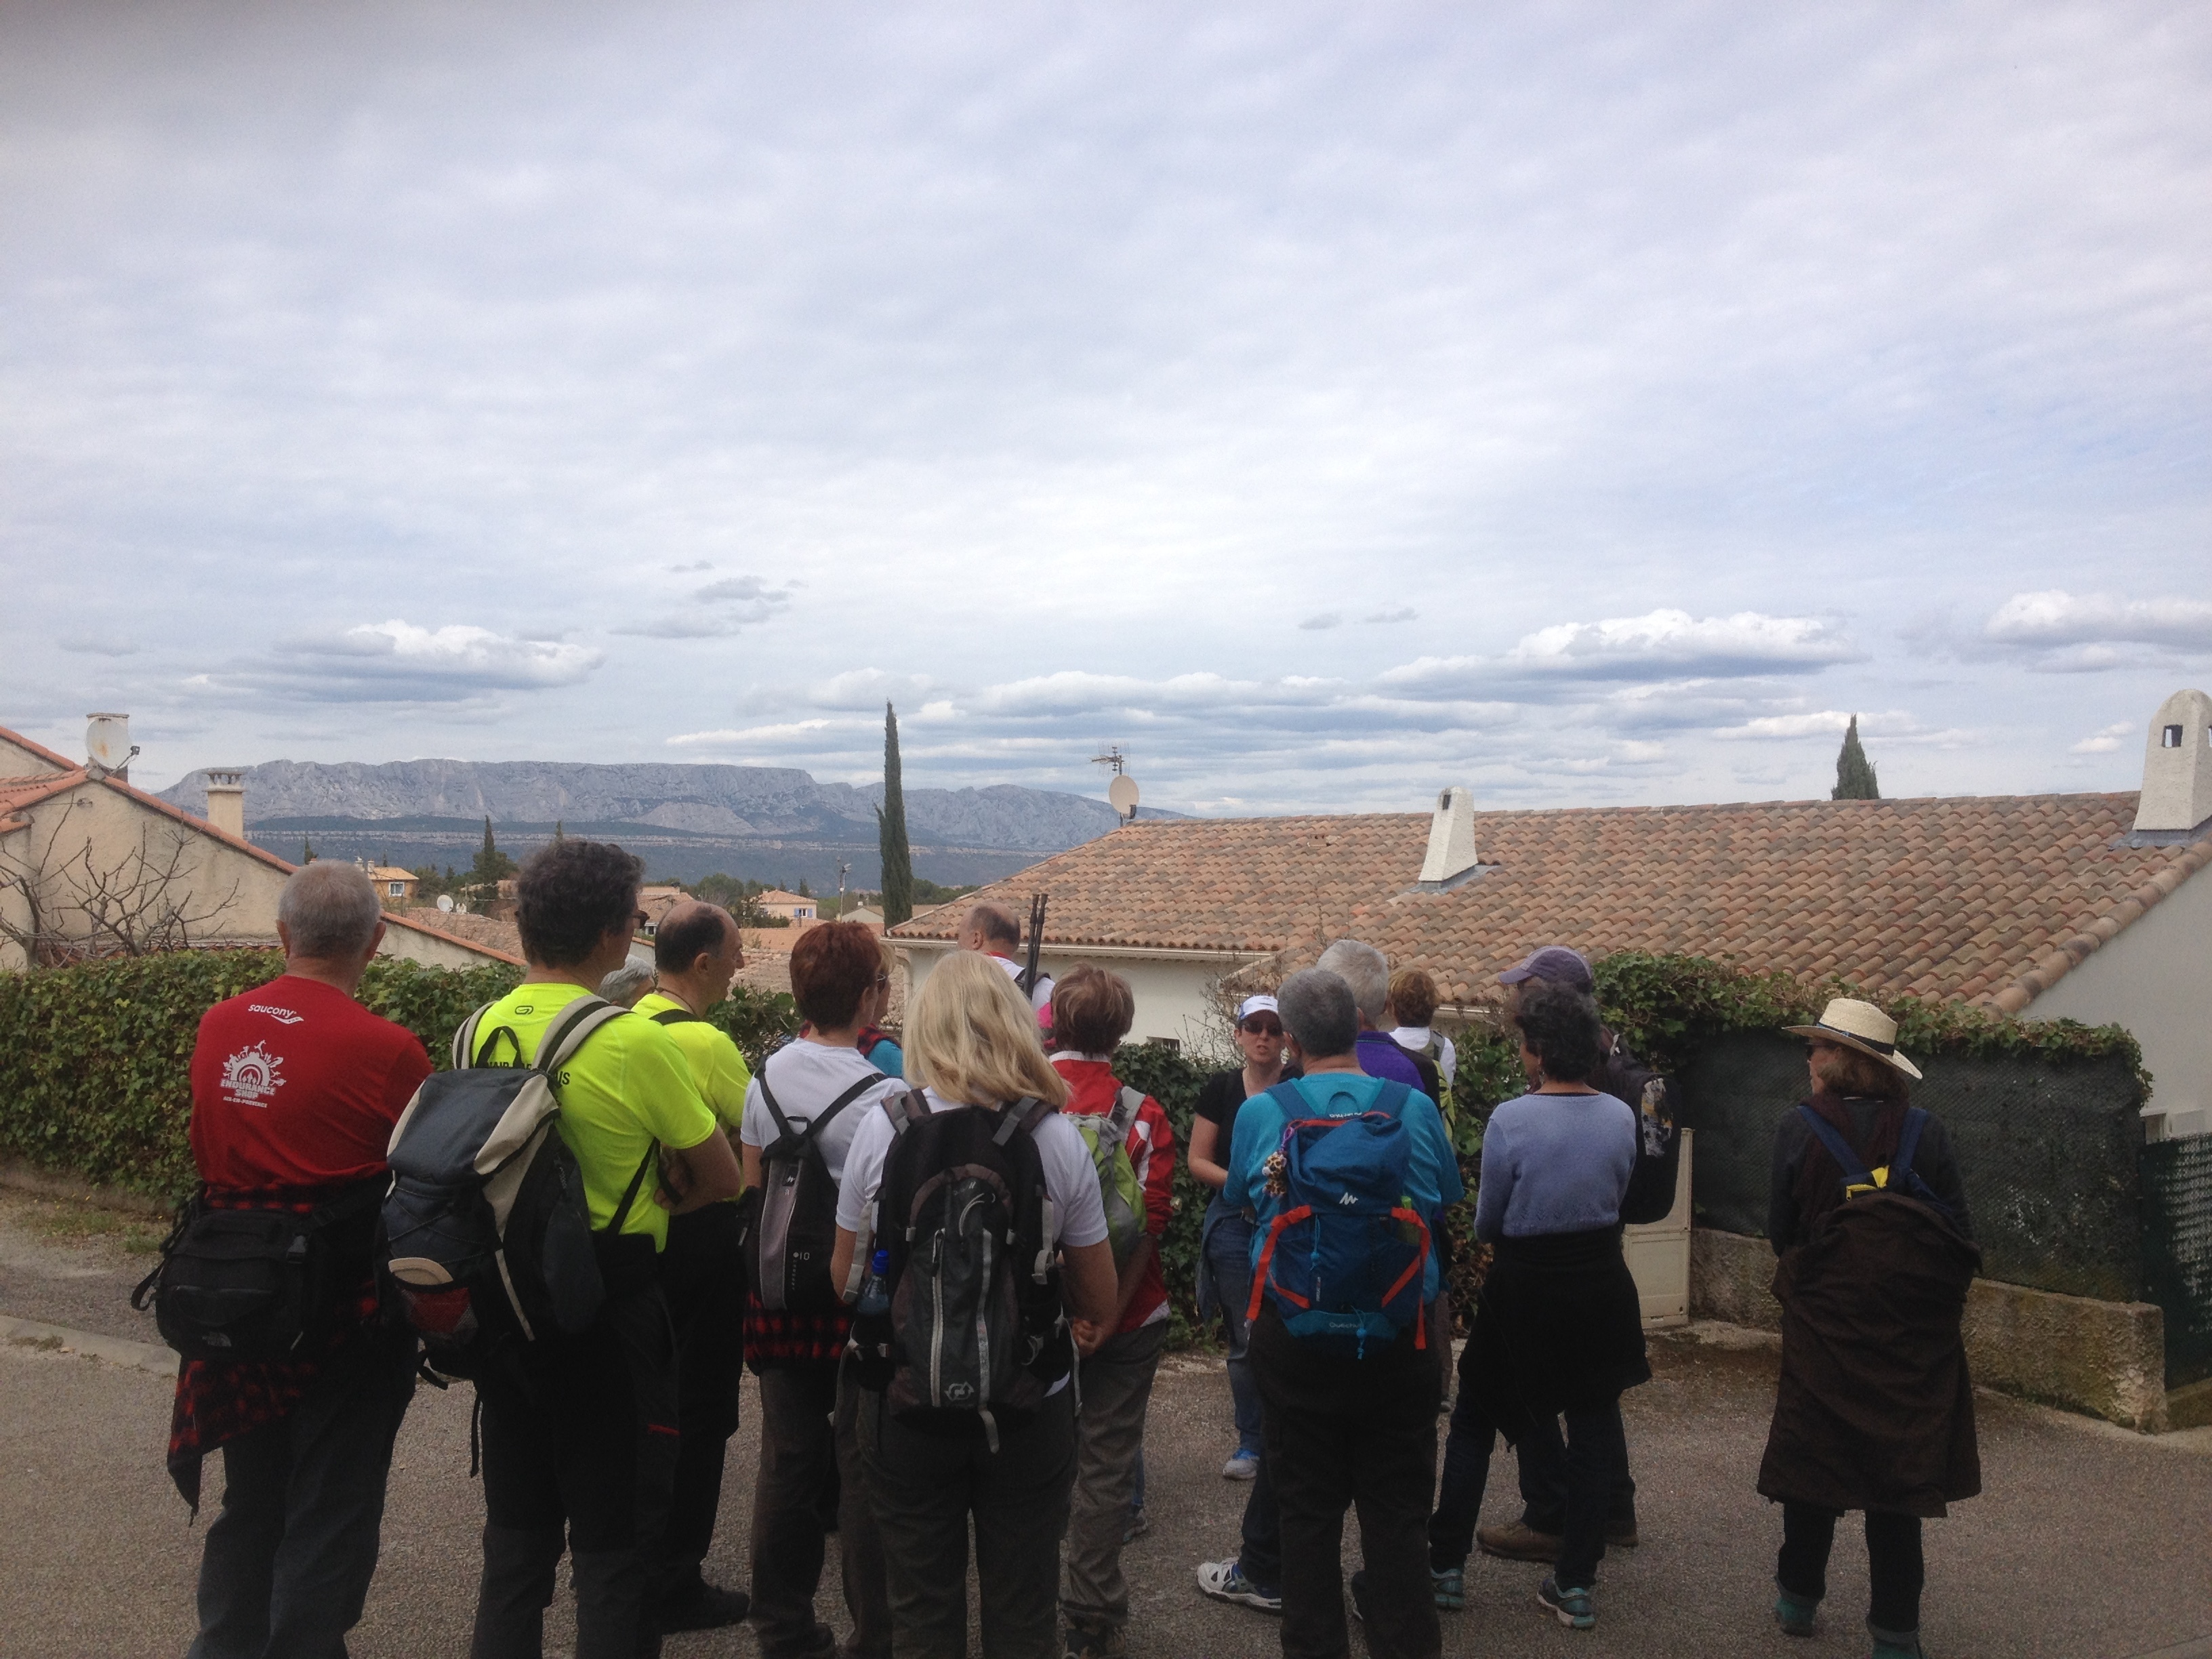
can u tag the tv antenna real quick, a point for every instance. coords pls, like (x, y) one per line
(1122, 791)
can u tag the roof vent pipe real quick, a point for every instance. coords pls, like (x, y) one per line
(2177, 786)
(1451, 842)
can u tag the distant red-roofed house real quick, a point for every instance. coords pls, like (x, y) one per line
(2087, 907)
(87, 861)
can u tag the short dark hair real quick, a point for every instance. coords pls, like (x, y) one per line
(571, 895)
(1561, 1026)
(1093, 1010)
(686, 934)
(832, 966)
(1319, 1012)
(1413, 996)
(998, 926)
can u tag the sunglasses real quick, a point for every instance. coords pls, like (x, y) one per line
(638, 918)
(1264, 1026)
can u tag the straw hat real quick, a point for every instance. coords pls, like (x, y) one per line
(1859, 1026)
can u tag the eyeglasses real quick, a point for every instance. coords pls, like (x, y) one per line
(638, 919)
(1261, 1025)
(883, 982)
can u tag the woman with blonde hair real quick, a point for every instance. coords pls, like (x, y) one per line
(981, 1212)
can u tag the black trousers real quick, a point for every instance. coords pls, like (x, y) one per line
(579, 1438)
(703, 1274)
(1893, 1562)
(809, 1482)
(1344, 1432)
(925, 1486)
(1594, 1454)
(1542, 1457)
(287, 1564)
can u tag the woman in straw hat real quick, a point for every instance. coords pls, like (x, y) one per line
(1873, 1411)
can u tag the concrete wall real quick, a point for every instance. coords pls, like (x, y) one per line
(1174, 994)
(2105, 1358)
(2156, 980)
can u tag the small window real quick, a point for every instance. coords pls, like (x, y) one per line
(2171, 737)
(399, 890)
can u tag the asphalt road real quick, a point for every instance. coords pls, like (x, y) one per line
(2091, 1543)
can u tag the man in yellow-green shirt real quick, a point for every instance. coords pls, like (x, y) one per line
(580, 1435)
(696, 951)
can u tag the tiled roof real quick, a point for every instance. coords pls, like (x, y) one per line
(1987, 899)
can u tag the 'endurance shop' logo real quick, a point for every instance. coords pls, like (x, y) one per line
(249, 1077)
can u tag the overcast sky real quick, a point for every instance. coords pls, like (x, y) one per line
(1327, 403)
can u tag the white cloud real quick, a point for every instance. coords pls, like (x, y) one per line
(1403, 613)
(2108, 741)
(2056, 616)
(1669, 642)
(1327, 619)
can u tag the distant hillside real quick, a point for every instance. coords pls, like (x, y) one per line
(700, 810)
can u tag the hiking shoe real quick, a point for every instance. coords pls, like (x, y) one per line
(1623, 1538)
(1097, 1642)
(1517, 1540)
(1244, 1465)
(1794, 1612)
(1139, 1525)
(1575, 1608)
(701, 1605)
(1451, 1585)
(1224, 1581)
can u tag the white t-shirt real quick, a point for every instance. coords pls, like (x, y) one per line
(806, 1077)
(1038, 997)
(1071, 1180)
(1414, 1038)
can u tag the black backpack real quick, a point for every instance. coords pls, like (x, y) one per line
(238, 1283)
(788, 1243)
(975, 1331)
(488, 1237)
(1651, 1184)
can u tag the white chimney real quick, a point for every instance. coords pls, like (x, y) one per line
(1451, 857)
(2177, 786)
(107, 743)
(226, 800)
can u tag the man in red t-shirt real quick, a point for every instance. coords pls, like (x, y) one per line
(295, 1087)
(1092, 1011)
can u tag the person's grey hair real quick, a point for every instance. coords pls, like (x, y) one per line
(627, 983)
(1317, 1009)
(329, 910)
(1365, 969)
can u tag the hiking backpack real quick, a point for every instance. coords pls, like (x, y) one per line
(794, 1227)
(1343, 1258)
(1106, 1138)
(1896, 1176)
(1656, 1176)
(489, 1236)
(264, 1281)
(973, 1331)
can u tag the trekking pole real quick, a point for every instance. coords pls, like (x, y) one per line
(1037, 943)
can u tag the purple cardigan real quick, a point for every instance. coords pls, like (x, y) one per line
(1379, 1055)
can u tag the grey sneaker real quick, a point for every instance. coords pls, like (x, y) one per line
(1224, 1581)
(1244, 1465)
(1575, 1608)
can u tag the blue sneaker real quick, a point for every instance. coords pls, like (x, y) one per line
(1224, 1581)
(1794, 1613)
(1894, 1643)
(1575, 1608)
(1451, 1584)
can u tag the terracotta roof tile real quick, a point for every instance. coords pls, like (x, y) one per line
(1988, 898)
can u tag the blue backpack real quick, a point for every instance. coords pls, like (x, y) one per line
(1345, 1258)
(1898, 1176)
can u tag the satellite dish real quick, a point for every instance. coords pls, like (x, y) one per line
(1122, 792)
(446, 903)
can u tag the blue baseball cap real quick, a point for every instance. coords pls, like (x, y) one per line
(1554, 962)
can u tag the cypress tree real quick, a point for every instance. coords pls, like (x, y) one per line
(1854, 779)
(891, 831)
(306, 851)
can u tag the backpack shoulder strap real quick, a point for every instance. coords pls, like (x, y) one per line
(905, 1111)
(464, 1040)
(775, 1111)
(822, 1118)
(677, 1017)
(1392, 1101)
(1908, 1143)
(1854, 1168)
(575, 1027)
(1126, 1108)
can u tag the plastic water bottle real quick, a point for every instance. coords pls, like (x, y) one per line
(875, 1292)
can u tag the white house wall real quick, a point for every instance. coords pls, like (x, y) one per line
(1174, 994)
(2156, 978)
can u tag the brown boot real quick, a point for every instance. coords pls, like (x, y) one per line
(1517, 1540)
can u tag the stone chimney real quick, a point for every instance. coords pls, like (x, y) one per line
(107, 746)
(1451, 858)
(2177, 786)
(226, 800)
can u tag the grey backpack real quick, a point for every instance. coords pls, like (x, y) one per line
(787, 1248)
(488, 1238)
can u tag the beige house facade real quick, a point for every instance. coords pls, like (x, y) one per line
(90, 866)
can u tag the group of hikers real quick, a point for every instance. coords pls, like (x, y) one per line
(941, 1257)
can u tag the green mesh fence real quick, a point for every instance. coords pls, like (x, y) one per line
(2049, 1154)
(2176, 1205)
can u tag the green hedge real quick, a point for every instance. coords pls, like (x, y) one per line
(93, 1059)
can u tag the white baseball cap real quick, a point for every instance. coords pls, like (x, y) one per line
(1259, 1004)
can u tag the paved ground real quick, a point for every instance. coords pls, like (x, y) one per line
(2092, 1543)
